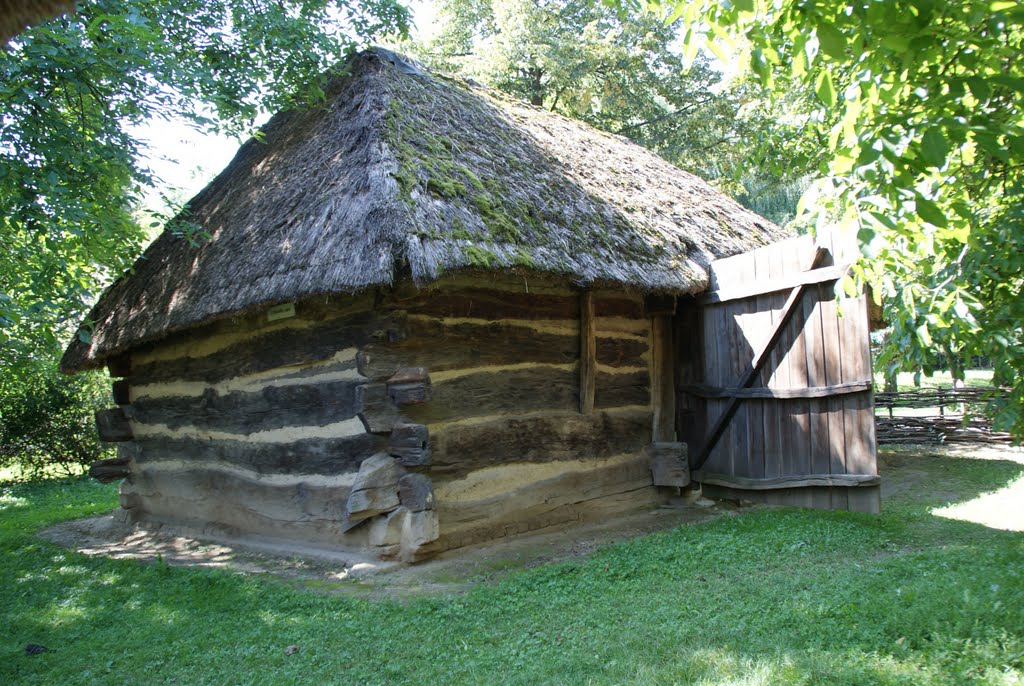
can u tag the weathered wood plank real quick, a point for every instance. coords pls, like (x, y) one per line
(691, 410)
(669, 464)
(458, 449)
(511, 392)
(861, 456)
(441, 346)
(622, 390)
(836, 495)
(705, 391)
(588, 352)
(663, 392)
(277, 348)
(786, 282)
(800, 461)
(113, 426)
(311, 456)
(815, 353)
(794, 481)
(273, 407)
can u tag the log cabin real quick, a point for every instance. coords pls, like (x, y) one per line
(425, 315)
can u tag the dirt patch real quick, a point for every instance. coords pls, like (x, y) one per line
(326, 572)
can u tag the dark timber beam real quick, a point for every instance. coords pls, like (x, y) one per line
(663, 387)
(588, 353)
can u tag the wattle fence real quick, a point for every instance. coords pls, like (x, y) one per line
(952, 415)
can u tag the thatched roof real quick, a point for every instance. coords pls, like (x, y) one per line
(16, 15)
(404, 172)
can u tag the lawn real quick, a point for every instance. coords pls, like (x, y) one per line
(764, 597)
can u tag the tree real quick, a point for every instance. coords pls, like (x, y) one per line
(624, 75)
(70, 89)
(918, 109)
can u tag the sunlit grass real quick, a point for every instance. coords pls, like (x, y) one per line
(766, 597)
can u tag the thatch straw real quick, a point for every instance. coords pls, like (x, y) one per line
(407, 172)
(16, 15)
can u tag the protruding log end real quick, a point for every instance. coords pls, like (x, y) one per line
(113, 469)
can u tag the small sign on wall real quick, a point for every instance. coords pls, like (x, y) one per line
(283, 311)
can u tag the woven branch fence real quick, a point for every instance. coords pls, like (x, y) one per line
(959, 416)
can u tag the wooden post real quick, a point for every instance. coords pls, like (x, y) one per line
(663, 388)
(588, 353)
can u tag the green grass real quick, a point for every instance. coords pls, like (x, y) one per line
(765, 597)
(905, 380)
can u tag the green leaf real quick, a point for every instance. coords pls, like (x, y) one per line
(934, 147)
(930, 212)
(824, 89)
(832, 41)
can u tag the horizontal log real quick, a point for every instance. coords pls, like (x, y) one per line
(802, 481)
(527, 500)
(510, 392)
(459, 449)
(277, 348)
(621, 352)
(273, 407)
(113, 426)
(112, 469)
(622, 390)
(211, 499)
(783, 283)
(626, 308)
(310, 456)
(438, 346)
(706, 391)
(482, 303)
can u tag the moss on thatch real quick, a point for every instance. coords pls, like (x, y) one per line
(406, 170)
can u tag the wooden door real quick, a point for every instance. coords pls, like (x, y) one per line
(774, 380)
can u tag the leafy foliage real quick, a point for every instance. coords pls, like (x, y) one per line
(46, 420)
(624, 75)
(918, 111)
(71, 89)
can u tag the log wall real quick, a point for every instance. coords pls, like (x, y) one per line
(470, 387)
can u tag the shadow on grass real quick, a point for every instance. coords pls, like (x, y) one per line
(767, 597)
